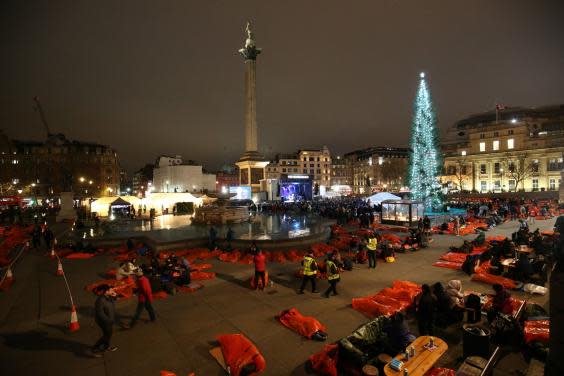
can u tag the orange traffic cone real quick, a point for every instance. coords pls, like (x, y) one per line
(53, 252)
(60, 268)
(74, 326)
(9, 275)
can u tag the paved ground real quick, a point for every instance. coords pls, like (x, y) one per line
(34, 316)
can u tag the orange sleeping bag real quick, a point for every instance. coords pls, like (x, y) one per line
(307, 326)
(239, 352)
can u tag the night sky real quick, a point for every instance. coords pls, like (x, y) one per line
(164, 77)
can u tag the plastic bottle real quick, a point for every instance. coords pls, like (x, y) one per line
(431, 342)
(405, 372)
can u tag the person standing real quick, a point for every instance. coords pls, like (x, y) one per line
(144, 298)
(310, 273)
(372, 245)
(332, 275)
(229, 237)
(213, 237)
(426, 307)
(48, 237)
(260, 269)
(427, 225)
(104, 316)
(36, 236)
(456, 225)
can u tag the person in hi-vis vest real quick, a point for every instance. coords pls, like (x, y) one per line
(372, 245)
(310, 272)
(332, 275)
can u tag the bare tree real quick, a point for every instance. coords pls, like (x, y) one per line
(462, 171)
(518, 167)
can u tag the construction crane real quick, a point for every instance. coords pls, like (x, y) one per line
(39, 109)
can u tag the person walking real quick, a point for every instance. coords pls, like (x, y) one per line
(144, 298)
(426, 307)
(371, 246)
(260, 270)
(104, 316)
(310, 272)
(332, 275)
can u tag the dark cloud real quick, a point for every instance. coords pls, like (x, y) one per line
(164, 77)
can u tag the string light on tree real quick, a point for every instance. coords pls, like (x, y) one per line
(424, 158)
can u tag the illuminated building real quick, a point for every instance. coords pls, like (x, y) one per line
(57, 165)
(375, 169)
(171, 174)
(515, 149)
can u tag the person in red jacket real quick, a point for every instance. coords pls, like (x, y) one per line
(260, 269)
(145, 298)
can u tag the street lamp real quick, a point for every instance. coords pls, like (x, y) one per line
(82, 179)
(90, 182)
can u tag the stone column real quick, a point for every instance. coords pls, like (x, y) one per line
(251, 144)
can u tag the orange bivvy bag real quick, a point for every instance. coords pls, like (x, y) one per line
(307, 326)
(240, 353)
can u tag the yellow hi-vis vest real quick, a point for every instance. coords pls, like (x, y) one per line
(308, 262)
(372, 244)
(330, 275)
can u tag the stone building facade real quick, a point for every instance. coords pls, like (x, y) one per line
(376, 169)
(313, 162)
(517, 149)
(45, 169)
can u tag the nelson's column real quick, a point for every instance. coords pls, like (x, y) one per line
(251, 164)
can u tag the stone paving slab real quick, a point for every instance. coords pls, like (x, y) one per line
(34, 315)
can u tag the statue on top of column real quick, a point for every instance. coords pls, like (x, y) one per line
(250, 51)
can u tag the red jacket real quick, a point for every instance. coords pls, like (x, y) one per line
(144, 292)
(260, 262)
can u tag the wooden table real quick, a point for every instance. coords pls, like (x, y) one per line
(423, 359)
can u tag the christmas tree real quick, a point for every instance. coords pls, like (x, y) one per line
(424, 158)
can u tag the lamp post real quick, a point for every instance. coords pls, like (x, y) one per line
(501, 177)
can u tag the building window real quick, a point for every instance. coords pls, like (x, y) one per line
(451, 170)
(482, 135)
(511, 166)
(496, 168)
(283, 170)
(370, 161)
(510, 132)
(311, 171)
(482, 146)
(483, 186)
(535, 165)
(535, 184)
(495, 145)
(552, 184)
(511, 184)
(496, 134)
(305, 171)
(510, 143)
(497, 185)
(463, 153)
(483, 169)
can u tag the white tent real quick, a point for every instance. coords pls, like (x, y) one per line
(102, 205)
(381, 196)
(162, 200)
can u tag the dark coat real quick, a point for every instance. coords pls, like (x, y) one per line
(104, 311)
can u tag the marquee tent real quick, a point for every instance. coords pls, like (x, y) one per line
(381, 196)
